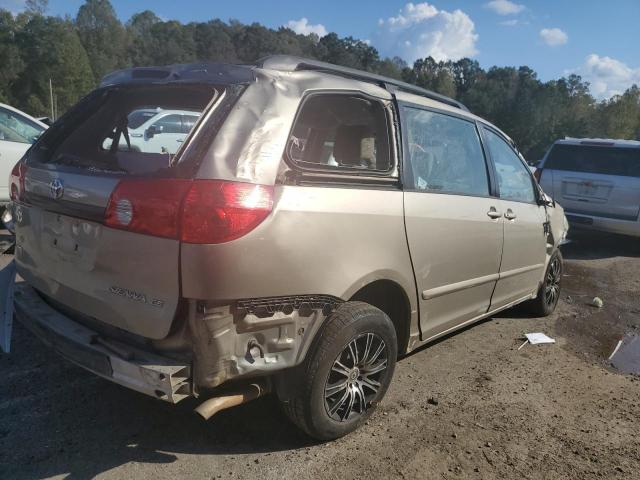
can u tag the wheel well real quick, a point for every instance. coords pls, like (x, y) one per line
(391, 298)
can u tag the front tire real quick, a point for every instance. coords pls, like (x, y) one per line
(346, 373)
(549, 292)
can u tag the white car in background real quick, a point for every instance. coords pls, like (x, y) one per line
(154, 130)
(18, 131)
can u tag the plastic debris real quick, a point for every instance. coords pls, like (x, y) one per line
(626, 355)
(597, 302)
(536, 339)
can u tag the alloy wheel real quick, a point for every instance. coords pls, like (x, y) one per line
(355, 377)
(552, 282)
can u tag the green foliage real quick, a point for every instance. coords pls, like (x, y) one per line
(50, 49)
(102, 36)
(76, 54)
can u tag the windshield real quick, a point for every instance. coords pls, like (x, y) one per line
(138, 117)
(16, 128)
(133, 129)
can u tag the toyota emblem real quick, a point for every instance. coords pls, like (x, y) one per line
(56, 189)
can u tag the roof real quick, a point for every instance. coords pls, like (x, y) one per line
(288, 63)
(226, 73)
(601, 142)
(212, 73)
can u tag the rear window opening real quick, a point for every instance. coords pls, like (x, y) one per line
(621, 161)
(131, 129)
(340, 132)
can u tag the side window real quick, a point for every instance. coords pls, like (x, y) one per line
(170, 124)
(15, 128)
(188, 121)
(514, 179)
(340, 131)
(445, 154)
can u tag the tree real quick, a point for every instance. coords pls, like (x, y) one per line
(12, 64)
(140, 43)
(36, 7)
(50, 49)
(213, 42)
(75, 55)
(102, 36)
(620, 116)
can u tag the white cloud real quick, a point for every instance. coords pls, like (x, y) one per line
(510, 23)
(421, 30)
(504, 7)
(607, 75)
(553, 36)
(303, 27)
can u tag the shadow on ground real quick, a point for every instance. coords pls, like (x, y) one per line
(594, 245)
(55, 419)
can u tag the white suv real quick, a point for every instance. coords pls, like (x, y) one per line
(154, 130)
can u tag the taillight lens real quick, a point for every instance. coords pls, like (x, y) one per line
(16, 181)
(151, 207)
(216, 211)
(193, 211)
(538, 174)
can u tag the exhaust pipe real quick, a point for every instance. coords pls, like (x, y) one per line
(210, 407)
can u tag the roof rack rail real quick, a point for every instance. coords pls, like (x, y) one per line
(289, 63)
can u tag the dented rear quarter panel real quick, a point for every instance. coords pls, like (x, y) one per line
(330, 240)
(317, 240)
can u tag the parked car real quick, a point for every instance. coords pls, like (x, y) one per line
(17, 132)
(316, 222)
(597, 181)
(156, 130)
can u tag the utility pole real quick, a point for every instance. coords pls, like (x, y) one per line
(51, 97)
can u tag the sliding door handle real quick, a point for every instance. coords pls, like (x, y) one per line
(493, 213)
(510, 215)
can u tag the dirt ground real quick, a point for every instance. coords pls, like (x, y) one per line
(545, 412)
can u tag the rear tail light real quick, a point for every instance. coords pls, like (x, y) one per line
(16, 181)
(538, 174)
(193, 211)
(217, 211)
(151, 207)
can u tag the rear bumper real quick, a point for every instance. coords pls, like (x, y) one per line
(133, 368)
(612, 225)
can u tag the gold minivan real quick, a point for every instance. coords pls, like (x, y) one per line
(293, 228)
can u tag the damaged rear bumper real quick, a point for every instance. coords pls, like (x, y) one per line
(154, 375)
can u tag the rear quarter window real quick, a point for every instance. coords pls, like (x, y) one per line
(621, 161)
(340, 132)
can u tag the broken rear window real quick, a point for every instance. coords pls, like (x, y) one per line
(132, 129)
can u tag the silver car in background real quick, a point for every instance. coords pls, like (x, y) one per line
(597, 181)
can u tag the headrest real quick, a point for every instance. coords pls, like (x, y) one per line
(347, 149)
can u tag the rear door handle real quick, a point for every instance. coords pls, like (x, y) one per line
(510, 215)
(493, 213)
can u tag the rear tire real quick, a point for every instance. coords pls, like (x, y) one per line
(549, 292)
(346, 372)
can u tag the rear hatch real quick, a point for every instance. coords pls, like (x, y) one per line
(597, 180)
(66, 246)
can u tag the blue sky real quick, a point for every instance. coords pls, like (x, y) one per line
(597, 39)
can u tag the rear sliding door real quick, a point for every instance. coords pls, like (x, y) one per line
(453, 224)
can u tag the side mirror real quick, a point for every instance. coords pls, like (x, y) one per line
(154, 130)
(546, 200)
